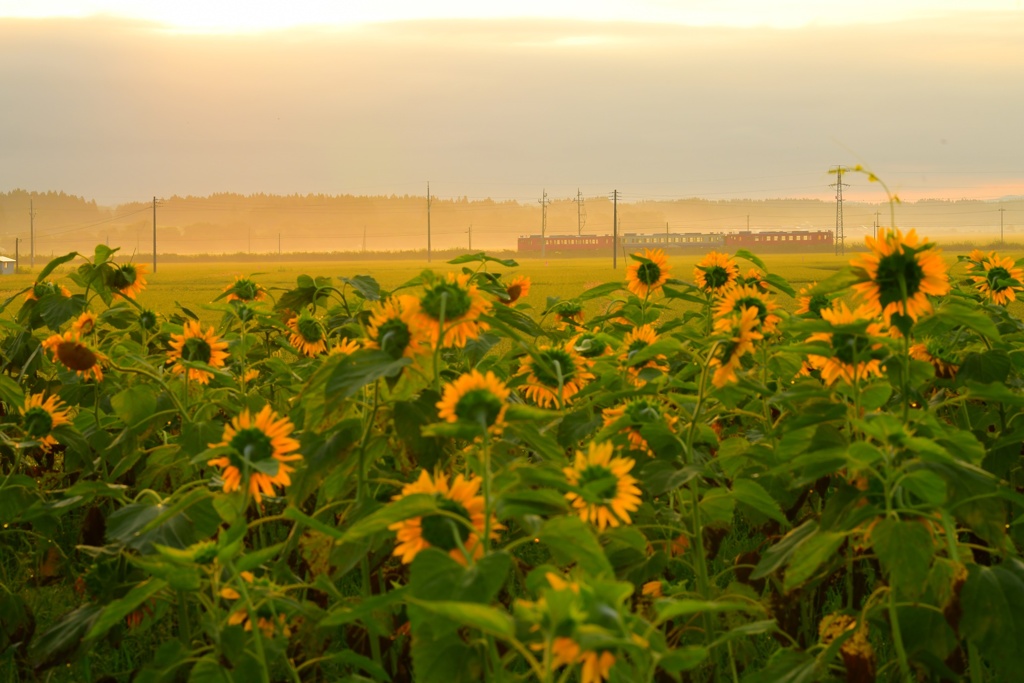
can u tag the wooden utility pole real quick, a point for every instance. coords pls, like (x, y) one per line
(31, 234)
(154, 234)
(615, 229)
(428, 222)
(470, 231)
(544, 224)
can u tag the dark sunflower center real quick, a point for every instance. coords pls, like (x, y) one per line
(716, 276)
(480, 406)
(997, 277)
(196, 349)
(75, 356)
(851, 348)
(394, 337)
(598, 483)
(309, 330)
(890, 269)
(818, 303)
(455, 301)
(252, 444)
(513, 293)
(550, 363)
(648, 273)
(441, 531)
(752, 302)
(590, 346)
(636, 345)
(38, 422)
(124, 277)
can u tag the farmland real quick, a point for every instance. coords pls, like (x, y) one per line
(690, 469)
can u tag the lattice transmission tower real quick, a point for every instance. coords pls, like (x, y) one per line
(839, 185)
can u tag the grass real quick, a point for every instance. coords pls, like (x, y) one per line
(196, 285)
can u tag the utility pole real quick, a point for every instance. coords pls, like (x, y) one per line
(581, 213)
(470, 231)
(666, 231)
(154, 234)
(615, 229)
(839, 184)
(543, 224)
(31, 234)
(428, 222)
(875, 233)
(17, 258)
(1001, 212)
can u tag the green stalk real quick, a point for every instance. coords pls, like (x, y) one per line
(364, 562)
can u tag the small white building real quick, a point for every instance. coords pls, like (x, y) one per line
(7, 265)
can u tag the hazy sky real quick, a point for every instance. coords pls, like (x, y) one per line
(123, 100)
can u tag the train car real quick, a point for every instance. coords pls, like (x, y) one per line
(758, 242)
(688, 242)
(781, 241)
(565, 245)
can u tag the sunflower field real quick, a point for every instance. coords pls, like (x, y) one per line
(452, 482)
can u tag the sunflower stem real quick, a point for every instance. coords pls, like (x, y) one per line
(364, 562)
(486, 458)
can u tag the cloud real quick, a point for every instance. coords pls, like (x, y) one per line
(118, 109)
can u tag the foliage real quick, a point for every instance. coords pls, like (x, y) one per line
(452, 488)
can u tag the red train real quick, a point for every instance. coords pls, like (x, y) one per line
(762, 241)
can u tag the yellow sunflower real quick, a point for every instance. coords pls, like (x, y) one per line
(638, 412)
(595, 666)
(195, 345)
(940, 357)
(268, 620)
(261, 447)
(998, 279)
(307, 336)
(40, 416)
(606, 492)
(811, 305)
(458, 305)
(84, 324)
(741, 297)
(516, 290)
(128, 279)
(75, 355)
(346, 347)
(392, 328)
(477, 398)
(462, 500)
(754, 278)
(715, 273)
(245, 290)
(740, 332)
(855, 356)
(898, 274)
(553, 375)
(647, 276)
(41, 289)
(569, 314)
(637, 340)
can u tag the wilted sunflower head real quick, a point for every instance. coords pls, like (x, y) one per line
(244, 290)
